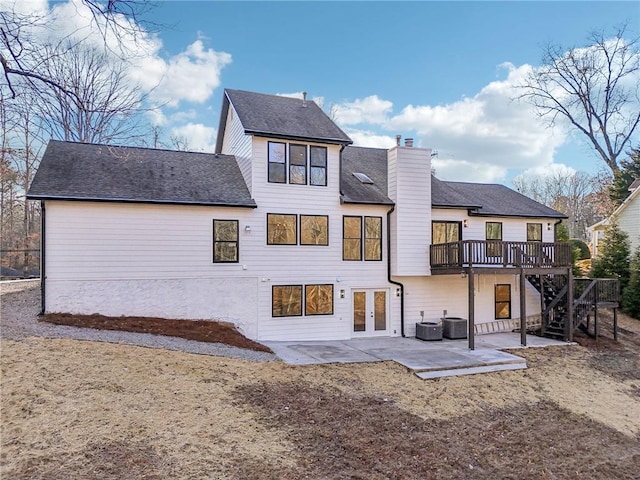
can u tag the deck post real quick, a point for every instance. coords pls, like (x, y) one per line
(615, 324)
(543, 323)
(595, 310)
(472, 308)
(568, 327)
(523, 309)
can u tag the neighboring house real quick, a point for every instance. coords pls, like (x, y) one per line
(627, 216)
(287, 231)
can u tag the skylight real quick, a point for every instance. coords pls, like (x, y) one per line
(363, 178)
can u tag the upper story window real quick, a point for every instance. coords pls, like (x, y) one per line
(352, 238)
(304, 164)
(314, 230)
(318, 166)
(277, 162)
(534, 232)
(445, 232)
(373, 238)
(282, 229)
(225, 241)
(298, 164)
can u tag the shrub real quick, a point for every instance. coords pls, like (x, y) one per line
(582, 247)
(631, 293)
(613, 259)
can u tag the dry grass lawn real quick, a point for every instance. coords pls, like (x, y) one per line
(84, 410)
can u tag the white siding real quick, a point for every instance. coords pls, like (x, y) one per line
(136, 259)
(118, 259)
(410, 178)
(235, 142)
(156, 260)
(513, 229)
(629, 220)
(434, 294)
(298, 264)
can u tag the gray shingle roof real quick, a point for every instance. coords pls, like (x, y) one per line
(279, 117)
(487, 199)
(373, 163)
(82, 171)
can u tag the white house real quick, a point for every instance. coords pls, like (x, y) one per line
(287, 231)
(627, 216)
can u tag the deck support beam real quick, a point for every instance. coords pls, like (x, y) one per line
(472, 309)
(523, 308)
(568, 326)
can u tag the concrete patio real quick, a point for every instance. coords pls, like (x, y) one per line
(432, 359)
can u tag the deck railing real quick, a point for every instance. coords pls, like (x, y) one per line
(471, 253)
(602, 290)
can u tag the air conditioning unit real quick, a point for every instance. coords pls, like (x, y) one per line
(454, 327)
(429, 330)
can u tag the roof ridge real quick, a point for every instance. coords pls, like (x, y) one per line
(275, 95)
(173, 150)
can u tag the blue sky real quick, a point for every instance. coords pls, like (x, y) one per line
(440, 72)
(406, 53)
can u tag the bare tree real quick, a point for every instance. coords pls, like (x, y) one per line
(571, 193)
(105, 105)
(21, 148)
(20, 48)
(595, 89)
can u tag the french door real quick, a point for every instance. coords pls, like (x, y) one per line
(370, 312)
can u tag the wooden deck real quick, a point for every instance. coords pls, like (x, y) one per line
(448, 257)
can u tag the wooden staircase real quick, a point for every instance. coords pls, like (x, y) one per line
(588, 295)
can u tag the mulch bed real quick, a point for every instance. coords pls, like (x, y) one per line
(199, 330)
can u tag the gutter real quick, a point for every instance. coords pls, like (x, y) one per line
(389, 271)
(43, 275)
(340, 171)
(140, 201)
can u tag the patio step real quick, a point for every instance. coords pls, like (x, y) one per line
(454, 372)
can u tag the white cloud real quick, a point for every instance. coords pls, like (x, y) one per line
(371, 109)
(364, 138)
(487, 134)
(551, 170)
(24, 7)
(190, 76)
(157, 117)
(466, 171)
(198, 136)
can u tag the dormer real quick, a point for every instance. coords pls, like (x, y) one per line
(291, 139)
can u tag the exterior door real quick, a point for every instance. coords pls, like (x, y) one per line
(370, 317)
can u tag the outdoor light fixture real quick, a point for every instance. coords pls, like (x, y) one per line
(247, 228)
(465, 223)
(397, 292)
(341, 293)
(548, 226)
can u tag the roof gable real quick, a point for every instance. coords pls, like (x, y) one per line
(279, 117)
(81, 171)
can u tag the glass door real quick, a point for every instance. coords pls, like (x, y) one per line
(370, 307)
